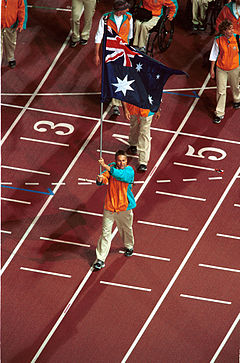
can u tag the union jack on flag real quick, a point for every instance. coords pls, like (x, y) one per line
(130, 75)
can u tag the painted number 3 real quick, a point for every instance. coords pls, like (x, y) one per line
(200, 152)
(53, 126)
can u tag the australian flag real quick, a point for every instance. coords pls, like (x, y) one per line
(130, 75)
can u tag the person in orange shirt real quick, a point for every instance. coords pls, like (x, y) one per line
(119, 202)
(230, 11)
(140, 135)
(225, 55)
(13, 20)
(141, 28)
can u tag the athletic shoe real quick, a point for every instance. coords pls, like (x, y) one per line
(115, 111)
(12, 64)
(236, 105)
(217, 119)
(73, 44)
(128, 252)
(202, 28)
(83, 41)
(195, 27)
(98, 265)
(142, 167)
(132, 150)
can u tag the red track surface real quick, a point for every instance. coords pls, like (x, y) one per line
(75, 317)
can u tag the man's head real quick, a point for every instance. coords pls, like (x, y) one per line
(121, 159)
(120, 7)
(226, 28)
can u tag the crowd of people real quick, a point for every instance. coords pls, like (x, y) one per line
(224, 66)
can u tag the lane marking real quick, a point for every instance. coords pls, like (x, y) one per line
(50, 192)
(55, 94)
(87, 180)
(126, 286)
(58, 184)
(81, 211)
(138, 182)
(15, 122)
(31, 183)
(65, 174)
(187, 180)
(164, 181)
(114, 152)
(149, 256)
(3, 231)
(27, 170)
(62, 316)
(236, 205)
(15, 200)
(48, 8)
(66, 242)
(206, 299)
(181, 266)
(193, 166)
(84, 183)
(6, 183)
(227, 236)
(219, 267)
(227, 336)
(43, 141)
(163, 225)
(45, 272)
(215, 178)
(181, 196)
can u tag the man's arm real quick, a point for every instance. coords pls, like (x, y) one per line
(126, 112)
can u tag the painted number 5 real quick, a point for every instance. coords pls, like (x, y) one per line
(200, 152)
(53, 126)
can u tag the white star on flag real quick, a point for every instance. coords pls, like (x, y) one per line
(123, 85)
(158, 76)
(138, 67)
(150, 99)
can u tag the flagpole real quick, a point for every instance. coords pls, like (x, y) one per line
(102, 85)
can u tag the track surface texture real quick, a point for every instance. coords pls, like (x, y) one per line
(177, 298)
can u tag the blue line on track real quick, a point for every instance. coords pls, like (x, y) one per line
(195, 95)
(50, 192)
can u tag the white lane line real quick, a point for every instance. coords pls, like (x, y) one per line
(164, 181)
(31, 183)
(163, 225)
(43, 141)
(6, 183)
(187, 180)
(215, 178)
(236, 205)
(44, 7)
(138, 182)
(193, 166)
(65, 242)
(45, 272)
(181, 196)
(227, 236)
(227, 336)
(121, 136)
(149, 256)
(7, 232)
(65, 174)
(206, 299)
(58, 184)
(36, 90)
(87, 180)
(62, 316)
(81, 211)
(126, 286)
(219, 267)
(15, 200)
(55, 94)
(27, 170)
(113, 153)
(181, 266)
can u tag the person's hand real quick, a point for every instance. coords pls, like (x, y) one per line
(212, 73)
(157, 115)
(127, 114)
(97, 60)
(100, 178)
(19, 28)
(170, 18)
(101, 162)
